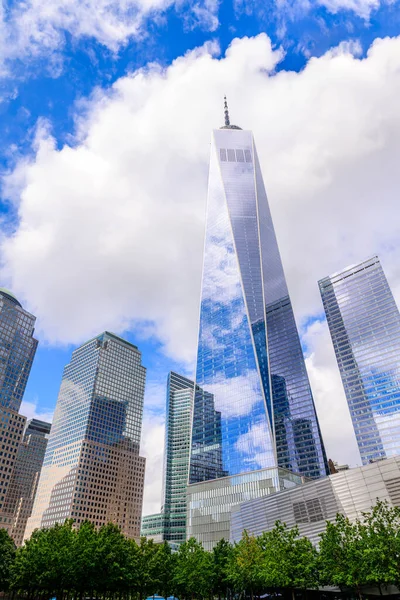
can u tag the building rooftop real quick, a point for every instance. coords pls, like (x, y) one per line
(9, 295)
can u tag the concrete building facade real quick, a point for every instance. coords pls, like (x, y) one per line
(25, 476)
(210, 503)
(349, 492)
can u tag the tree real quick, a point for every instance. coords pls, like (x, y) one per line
(341, 554)
(193, 571)
(44, 563)
(85, 559)
(164, 567)
(112, 560)
(7, 557)
(220, 557)
(380, 534)
(143, 567)
(288, 561)
(244, 565)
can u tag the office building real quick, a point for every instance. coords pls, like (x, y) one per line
(261, 414)
(254, 415)
(176, 456)
(364, 324)
(170, 524)
(25, 476)
(350, 492)
(92, 469)
(153, 527)
(17, 351)
(210, 503)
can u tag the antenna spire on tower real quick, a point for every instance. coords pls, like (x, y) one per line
(226, 111)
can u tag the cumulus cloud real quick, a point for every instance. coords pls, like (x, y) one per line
(37, 28)
(110, 229)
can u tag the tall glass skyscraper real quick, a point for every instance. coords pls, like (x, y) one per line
(176, 456)
(254, 407)
(17, 351)
(92, 468)
(170, 524)
(364, 323)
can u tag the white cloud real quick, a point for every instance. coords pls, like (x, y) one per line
(152, 447)
(110, 230)
(30, 410)
(37, 28)
(331, 405)
(154, 399)
(362, 8)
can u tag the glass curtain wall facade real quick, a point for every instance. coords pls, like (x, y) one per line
(253, 406)
(92, 469)
(364, 324)
(17, 351)
(176, 456)
(153, 527)
(210, 503)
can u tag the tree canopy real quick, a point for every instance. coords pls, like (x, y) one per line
(80, 564)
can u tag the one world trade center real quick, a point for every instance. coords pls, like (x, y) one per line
(253, 406)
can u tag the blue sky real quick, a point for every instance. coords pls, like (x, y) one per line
(70, 82)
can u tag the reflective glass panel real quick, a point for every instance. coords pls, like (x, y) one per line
(364, 323)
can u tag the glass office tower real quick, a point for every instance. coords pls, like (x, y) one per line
(17, 351)
(261, 412)
(170, 524)
(176, 456)
(92, 469)
(364, 323)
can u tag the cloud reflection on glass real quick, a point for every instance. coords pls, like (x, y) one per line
(253, 406)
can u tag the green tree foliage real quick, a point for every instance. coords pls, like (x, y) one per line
(244, 567)
(288, 561)
(341, 552)
(144, 566)
(193, 571)
(85, 561)
(102, 564)
(113, 559)
(380, 535)
(164, 568)
(220, 560)
(7, 556)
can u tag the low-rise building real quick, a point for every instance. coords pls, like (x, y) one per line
(349, 492)
(153, 527)
(210, 503)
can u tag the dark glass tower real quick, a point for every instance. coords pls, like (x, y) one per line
(364, 323)
(249, 354)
